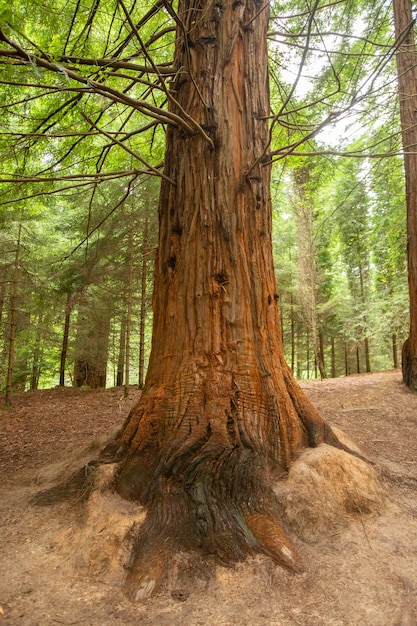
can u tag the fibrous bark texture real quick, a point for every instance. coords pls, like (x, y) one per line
(220, 413)
(407, 88)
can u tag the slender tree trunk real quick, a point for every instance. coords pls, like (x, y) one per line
(292, 322)
(394, 351)
(142, 319)
(3, 291)
(129, 309)
(333, 357)
(65, 339)
(37, 352)
(367, 356)
(365, 319)
(12, 321)
(358, 360)
(320, 361)
(407, 88)
(346, 361)
(300, 353)
(220, 413)
(3, 334)
(122, 352)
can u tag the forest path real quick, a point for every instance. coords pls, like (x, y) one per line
(365, 574)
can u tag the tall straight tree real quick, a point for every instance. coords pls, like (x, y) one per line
(407, 88)
(220, 416)
(220, 413)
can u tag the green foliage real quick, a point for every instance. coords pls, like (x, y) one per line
(82, 133)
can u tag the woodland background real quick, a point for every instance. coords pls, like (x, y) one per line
(78, 214)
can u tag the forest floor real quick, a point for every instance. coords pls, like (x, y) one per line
(364, 574)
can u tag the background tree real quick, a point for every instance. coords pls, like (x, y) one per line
(407, 87)
(308, 280)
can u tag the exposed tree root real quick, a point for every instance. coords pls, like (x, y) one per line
(147, 572)
(77, 487)
(273, 541)
(154, 553)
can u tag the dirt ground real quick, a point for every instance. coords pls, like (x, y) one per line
(53, 571)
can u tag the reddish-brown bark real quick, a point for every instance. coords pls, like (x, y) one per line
(220, 413)
(407, 88)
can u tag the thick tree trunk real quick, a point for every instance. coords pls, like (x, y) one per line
(407, 88)
(220, 413)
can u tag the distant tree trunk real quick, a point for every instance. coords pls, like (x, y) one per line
(129, 307)
(321, 364)
(407, 88)
(65, 339)
(365, 319)
(90, 366)
(12, 320)
(122, 352)
(394, 351)
(3, 291)
(333, 358)
(367, 358)
(281, 317)
(142, 317)
(4, 335)
(292, 323)
(220, 413)
(37, 352)
(300, 354)
(346, 361)
(307, 280)
(358, 360)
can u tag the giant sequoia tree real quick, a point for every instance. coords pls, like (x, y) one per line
(220, 416)
(220, 413)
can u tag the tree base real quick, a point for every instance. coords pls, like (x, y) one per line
(325, 491)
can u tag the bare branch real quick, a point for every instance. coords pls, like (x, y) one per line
(116, 141)
(16, 178)
(143, 106)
